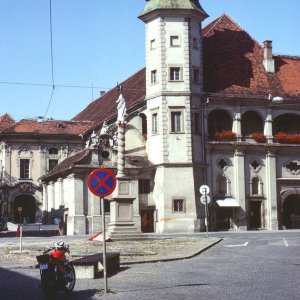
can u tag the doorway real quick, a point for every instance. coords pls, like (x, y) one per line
(147, 221)
(255, 215)
(24, 209)
(291, 212)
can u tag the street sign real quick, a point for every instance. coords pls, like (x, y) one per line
(204, 198)
(102, 182)
(204, 189)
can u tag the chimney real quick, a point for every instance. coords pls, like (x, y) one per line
(102, 93)
(268, 60)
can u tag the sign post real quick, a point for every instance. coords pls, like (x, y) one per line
(102, 182)
(205, 199)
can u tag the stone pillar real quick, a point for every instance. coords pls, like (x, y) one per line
(271, 186)
(239, 166)
(45, 204)
(50, 190)
(268, 128)
(236, 126)
(76, 218)
(121, 148)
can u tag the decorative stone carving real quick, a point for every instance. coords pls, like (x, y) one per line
(25, 150)
(255, 165)
(222, 164)
(25, 188)
(293, 167)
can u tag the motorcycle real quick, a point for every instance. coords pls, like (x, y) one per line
(57, 273)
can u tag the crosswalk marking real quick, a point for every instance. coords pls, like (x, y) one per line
(240, 245)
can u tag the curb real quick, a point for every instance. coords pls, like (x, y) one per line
(171, 259)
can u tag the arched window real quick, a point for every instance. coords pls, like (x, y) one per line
(251, 123)
(255, 185)
(222, 186)
(218, 121)
(288, 123)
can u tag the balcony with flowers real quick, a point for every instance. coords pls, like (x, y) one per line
(285, 138)
(224, 136)
(258, 137)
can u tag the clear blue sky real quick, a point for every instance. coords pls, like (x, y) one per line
(101, 42)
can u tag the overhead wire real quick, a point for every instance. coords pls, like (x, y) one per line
(52, 61)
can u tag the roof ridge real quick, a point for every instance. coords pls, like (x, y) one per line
(226, 15)
(287, 56)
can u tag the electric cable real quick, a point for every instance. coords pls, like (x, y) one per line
(52, 61)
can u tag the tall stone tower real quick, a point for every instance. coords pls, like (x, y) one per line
(173, 95)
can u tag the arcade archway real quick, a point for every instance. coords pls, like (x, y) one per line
(291, 212)
(24, 209)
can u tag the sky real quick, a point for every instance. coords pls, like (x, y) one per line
(98, 43)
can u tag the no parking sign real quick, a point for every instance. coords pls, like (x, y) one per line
(102, 182)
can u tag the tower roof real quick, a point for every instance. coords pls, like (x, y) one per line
(154, 5)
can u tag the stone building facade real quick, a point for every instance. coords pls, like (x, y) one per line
(28, 150)
(212, 106)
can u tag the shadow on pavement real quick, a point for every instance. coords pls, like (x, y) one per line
(25, 284)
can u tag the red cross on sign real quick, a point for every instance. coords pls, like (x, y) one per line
(102, 182)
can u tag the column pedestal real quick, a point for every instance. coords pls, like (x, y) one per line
(121, 213)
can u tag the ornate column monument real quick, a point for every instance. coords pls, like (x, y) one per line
(121, 212)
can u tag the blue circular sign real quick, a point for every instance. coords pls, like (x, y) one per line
(102, 182)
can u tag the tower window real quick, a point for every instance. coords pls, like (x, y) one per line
(175, 73)
(176, 121)
(152, 44)
(153, 76)
(154, 123)
(174, 41)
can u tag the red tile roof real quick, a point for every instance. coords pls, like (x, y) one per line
(6, 121)
(50, 127)
(82, 157)
(233, 63)
(105, 107)
(232, 67)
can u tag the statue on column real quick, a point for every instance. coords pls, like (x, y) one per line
(121, 109)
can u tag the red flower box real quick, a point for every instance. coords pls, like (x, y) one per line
(225, 136)
(282, 137)
(258, 137)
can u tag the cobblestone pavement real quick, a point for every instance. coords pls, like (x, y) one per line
(251, 265)
(130, 251)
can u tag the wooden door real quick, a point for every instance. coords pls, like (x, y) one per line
(255, 214)
(147, 220)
